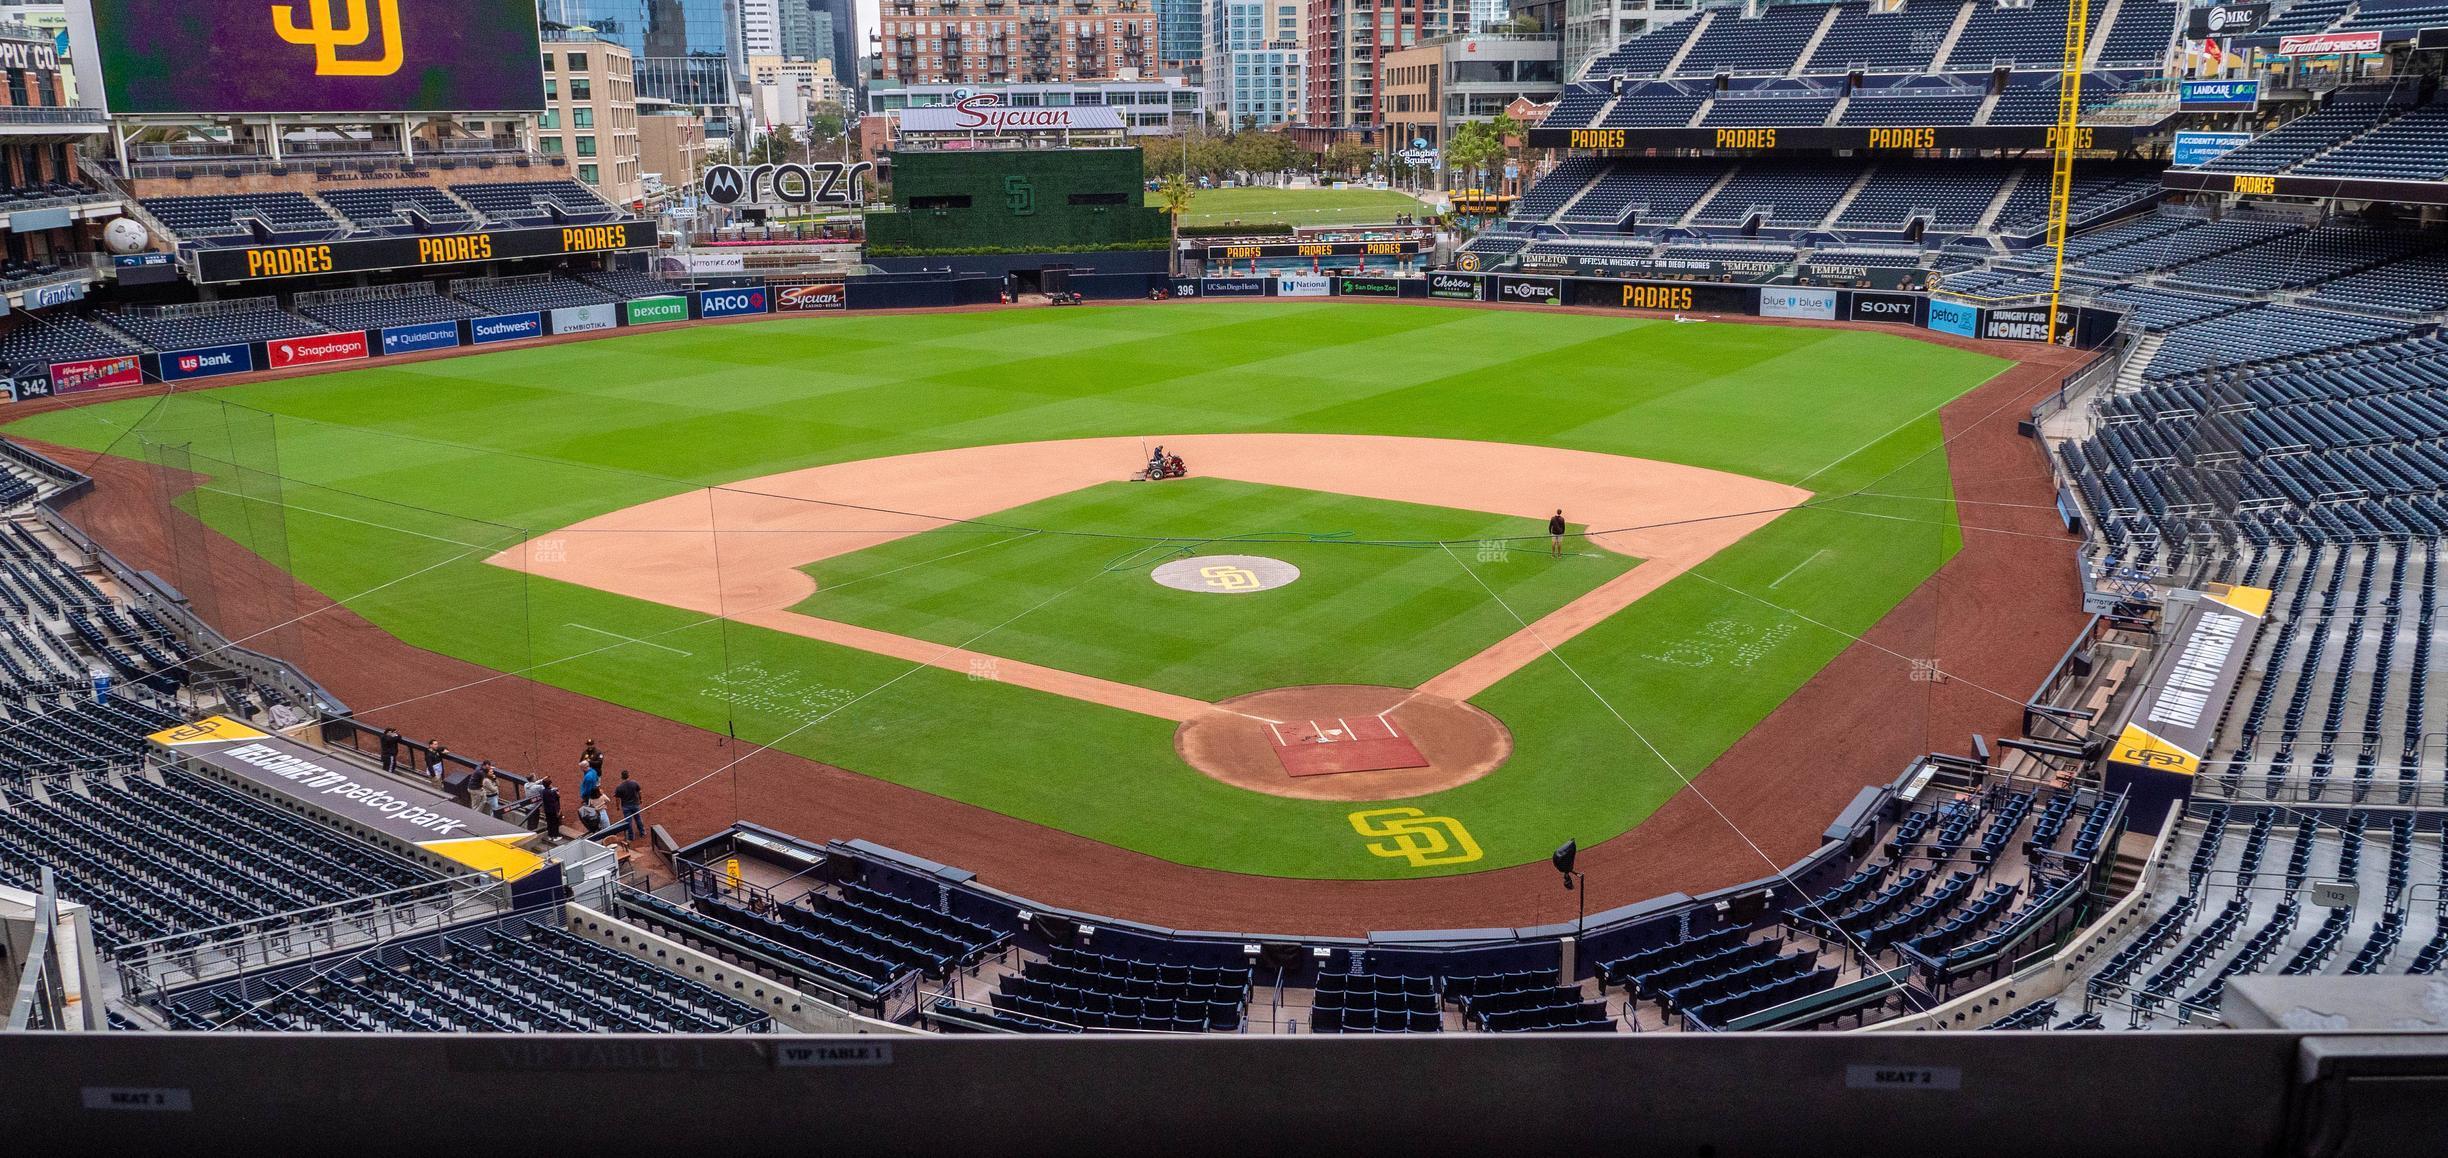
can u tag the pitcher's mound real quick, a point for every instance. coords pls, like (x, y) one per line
(1344, 742)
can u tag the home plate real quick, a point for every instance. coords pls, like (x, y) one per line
(1325, 747)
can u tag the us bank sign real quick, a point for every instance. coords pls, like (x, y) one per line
(820, 183)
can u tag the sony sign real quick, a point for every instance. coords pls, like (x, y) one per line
(822, 183)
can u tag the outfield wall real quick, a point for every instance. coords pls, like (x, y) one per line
(2080, 326)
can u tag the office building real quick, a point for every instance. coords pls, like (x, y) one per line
(1343, 41)
(1254, 65)
(1432, 89)
(590, 114)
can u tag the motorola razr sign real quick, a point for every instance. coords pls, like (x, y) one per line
(820, 183)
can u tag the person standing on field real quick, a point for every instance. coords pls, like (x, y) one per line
(1555, 535)
(627, 792)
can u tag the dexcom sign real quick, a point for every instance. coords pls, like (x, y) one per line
(730, 303)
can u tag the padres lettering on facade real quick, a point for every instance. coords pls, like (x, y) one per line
(289, 261)
(1903, 138)
(273, 261)
(2249, 183)
(1746, 138)
(471, 247)
(1657, 297)
(1597, 138)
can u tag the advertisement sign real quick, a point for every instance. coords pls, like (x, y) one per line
(1367, 287)
(2328, 43)
(1698, 297)
(730, 303)
(54, 295)
(2225, 20)
(1302, 285)
(2178, 713)
(648, 311)
(1459, 287)
(1313, 250)
(307, 56)
(2211, 96)
(1536, 291)
(985, 114)
(1232, 287)
(30, 382)
(1795, 302)
(422, 336)
(584, 319)
(132, 260)
(700, 261)
(2194, 148)
(1894, 309)
(800, 299)
(207, 361)
(347, 346)
(789, 183)
(1630, 267)
(1955, 318)
(270, 261)
(96, 374)
(2027, 324)
(506, 328)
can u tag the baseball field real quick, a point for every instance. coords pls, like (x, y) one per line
(903, 545)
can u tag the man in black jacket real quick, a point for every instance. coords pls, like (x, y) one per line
(1555, 535)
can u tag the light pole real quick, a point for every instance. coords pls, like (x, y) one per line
(1564, 857)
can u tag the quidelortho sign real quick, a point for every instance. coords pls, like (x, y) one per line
(422, 336)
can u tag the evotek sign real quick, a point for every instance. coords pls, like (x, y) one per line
(730, 303)
(206, 362)
(284, 352)
(822, 183)
(984, 114)
(1537, 291)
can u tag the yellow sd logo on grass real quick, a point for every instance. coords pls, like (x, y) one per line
(1230, 578)
(1414, 835)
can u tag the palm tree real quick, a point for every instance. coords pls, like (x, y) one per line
(1175, 195)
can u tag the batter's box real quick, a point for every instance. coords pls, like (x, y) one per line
(1326, 747)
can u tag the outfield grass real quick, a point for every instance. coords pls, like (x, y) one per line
(1376, 601)
(400, 479)
(1259, 205)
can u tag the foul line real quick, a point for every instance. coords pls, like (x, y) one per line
(631, 639)
(1797, 568)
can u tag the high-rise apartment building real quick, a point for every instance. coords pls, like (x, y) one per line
(1253, 63)
(1181, 31)
(791, 30)
(590, 114)
(1022, 41)
(687, 52)
(1343, 41)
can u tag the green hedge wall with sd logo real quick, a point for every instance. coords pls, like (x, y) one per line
(1017, 201)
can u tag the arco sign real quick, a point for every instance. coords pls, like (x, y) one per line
(820, 183)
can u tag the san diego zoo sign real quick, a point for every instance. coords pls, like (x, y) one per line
(818, 183)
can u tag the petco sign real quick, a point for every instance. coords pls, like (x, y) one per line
(206, 362)
(822, 183)
(985, 114)
(730, 303)
(286, 352)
